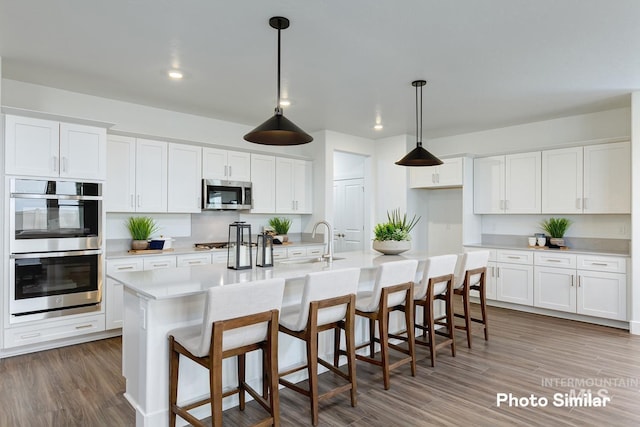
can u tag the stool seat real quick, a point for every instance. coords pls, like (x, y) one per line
(328, 302)
(237, 319)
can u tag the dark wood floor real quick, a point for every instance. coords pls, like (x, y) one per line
(81, 385)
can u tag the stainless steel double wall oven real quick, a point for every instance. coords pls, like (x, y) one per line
(55, 248)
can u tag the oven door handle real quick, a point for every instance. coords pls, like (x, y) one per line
(53, 196)
(54, 254)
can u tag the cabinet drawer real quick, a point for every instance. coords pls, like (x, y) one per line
(117, 266)
(515, 257)
(315, 251)
(296, 252)
(32, 334)
(602, 263)
(279, 253)
(552, 259)
(193, 259)
(157, 262)
(219, 257)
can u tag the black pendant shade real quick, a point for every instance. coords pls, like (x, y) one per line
(278, 130)
(419, 156)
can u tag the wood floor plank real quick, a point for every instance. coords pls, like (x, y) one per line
(82, 386)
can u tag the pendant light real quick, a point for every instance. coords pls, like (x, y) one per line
(278, 130)
(419, 156)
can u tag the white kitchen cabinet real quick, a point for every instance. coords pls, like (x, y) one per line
(595, 179)
(114, 290)
(226, 165)
(293, 186)
(602, 294)
(507, 184)
(158, 262)
(562, 181)
(263, 171)
(184, 179)
(46, 148)
(136, 175)
(555, 288)
(448, 174)
(607, 178)
(186, 260)
(514, 277)
(53, 329)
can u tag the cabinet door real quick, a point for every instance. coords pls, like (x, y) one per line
(302, 188)
(285, 202)
(602, 294)
(184, 179)
(120, 190)
(83, 152)
(522, 183)
(263, 171)
(239, 166)
(488, 185)
(607, 178)
(423, 177)
(151, 176)
(214, 163)
(114, 291)
(562, 181)
(32, 147)
(555, 288)
(449, 173)
(515, 283)
(491, 278)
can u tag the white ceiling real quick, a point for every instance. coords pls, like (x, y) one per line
(489, 63)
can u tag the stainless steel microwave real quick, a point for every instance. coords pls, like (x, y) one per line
(226, 195)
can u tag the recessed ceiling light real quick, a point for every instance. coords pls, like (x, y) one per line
(285, 102)
(175, 74)
(378, 126)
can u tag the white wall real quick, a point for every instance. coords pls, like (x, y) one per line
(634, 324)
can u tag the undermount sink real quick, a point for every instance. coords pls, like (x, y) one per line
(308, 260)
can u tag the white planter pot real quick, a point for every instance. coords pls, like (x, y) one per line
(391, 247)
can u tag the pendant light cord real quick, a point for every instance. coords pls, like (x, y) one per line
(278, 108)
(418, 136)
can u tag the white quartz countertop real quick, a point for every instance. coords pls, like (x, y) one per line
(184, 281)
(567, 251)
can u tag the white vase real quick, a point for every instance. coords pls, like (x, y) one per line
(391, 247)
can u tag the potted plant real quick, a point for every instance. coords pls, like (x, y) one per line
(555, 228)
(141, 228)
(392, 237)
(281, 227)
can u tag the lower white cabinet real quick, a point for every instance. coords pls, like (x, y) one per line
(602, 294)
(187, 260)
(53, 330)
(113, 293)
(157, 262)
(514, 277)
(555, 288)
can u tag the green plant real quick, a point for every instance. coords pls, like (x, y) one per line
(280, 225)
(397, 226)
(555, 227)
(141, 227)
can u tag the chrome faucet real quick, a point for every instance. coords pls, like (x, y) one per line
(329, 255)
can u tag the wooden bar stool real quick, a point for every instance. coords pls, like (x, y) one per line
(471, 271)
(392, 291)
(436, 284)
(328, 302)
(237, 319)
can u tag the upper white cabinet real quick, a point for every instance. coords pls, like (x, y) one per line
(593, 179)
(226, 165)
(184, 178)
(263, 170)
(607, 178)
(48, 148)
(507, 184)
(136, 175)
(448, 174)
(293, 181)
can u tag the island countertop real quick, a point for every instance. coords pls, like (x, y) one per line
(183, 281)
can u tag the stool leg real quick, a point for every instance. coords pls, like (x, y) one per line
(467, 314)
(336, 345)
(483, 307)
(215, 382)
(411, 332)
(312, 366)
(271, 366)
(372, 335)
(383, 324)
(350, 341)
(431, 325)
(174, 361)
(450, 318)
(241, 380)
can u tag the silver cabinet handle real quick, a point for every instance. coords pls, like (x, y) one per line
(131, 200)
(193, 262)
(553, 260)
(601, 264)
(65, 165)
(584, 203)
(55, 163)
(578, 203)
(166, 264)
(230, 171)
(225, 170)
(89, 325)
(139, 200)
(498, 268)
(578, 280)
(128, 267)
(493, 272)
(572, 280)
(513, 257)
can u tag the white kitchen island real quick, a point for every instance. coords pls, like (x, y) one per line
(157, 301)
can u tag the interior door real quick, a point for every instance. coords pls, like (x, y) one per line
(348, 199)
